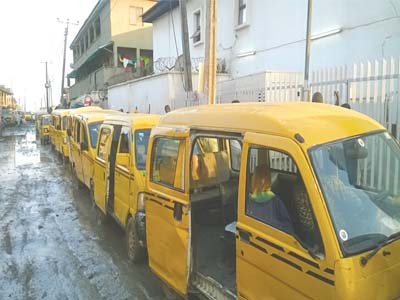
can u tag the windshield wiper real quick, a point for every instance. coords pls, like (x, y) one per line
(390, 239)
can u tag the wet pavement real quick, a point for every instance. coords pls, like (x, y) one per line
(51, 243)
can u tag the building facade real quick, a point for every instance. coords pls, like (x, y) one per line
(256, 36)
(113, 45)
(261, 50)
(6, 98)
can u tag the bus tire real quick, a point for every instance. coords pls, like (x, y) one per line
(136, 252)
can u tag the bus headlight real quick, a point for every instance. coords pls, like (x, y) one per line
(65, 140)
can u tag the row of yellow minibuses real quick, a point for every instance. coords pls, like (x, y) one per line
(249, 201)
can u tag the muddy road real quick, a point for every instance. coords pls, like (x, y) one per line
(51, 244)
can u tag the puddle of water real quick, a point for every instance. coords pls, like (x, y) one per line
(26, 153)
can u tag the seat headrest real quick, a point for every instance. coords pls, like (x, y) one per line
(209, 169)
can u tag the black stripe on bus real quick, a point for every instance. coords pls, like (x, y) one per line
(270, 244)
(322, 278)
(289, 262)
(155, 201)
(329, 271)
(99, 163)
(258, 247)
(305, 260)
(123, 172)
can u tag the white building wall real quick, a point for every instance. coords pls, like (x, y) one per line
(150, 94)
(276, 32)
(163, 36)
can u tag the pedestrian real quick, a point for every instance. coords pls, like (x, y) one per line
(346, 105)
(136, 110)
(317, 98)
(167, 108)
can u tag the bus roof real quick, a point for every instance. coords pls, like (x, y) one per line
(75, 111)
(133, 119)
(61, 112)
(317, 123)
(97, 115)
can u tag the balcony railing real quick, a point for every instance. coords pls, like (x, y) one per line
(106, 76)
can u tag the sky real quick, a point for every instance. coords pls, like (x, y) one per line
(30, 35)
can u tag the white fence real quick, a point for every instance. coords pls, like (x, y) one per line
(372, 88)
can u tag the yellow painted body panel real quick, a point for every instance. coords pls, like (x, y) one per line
(167, 243)
(271, 264)
(270, 276)
(129, 181)
(379, 279)
(59, 133)
(83, 160)
(167, 239)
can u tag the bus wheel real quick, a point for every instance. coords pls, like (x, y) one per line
(136, 253)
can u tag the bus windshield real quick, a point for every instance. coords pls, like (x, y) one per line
(360, 180)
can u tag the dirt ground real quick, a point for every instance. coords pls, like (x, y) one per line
(51, 244)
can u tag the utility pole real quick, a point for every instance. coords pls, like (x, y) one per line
(306, 86)
(185, 48)
(67, 22)
(210, 60)
(47, 86)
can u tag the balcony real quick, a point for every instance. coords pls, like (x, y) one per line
(104, 77)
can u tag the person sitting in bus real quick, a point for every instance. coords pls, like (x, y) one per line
(264, 204)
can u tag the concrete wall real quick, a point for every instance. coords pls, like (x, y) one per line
(156, 91)
(151, 93)
(276, 31)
